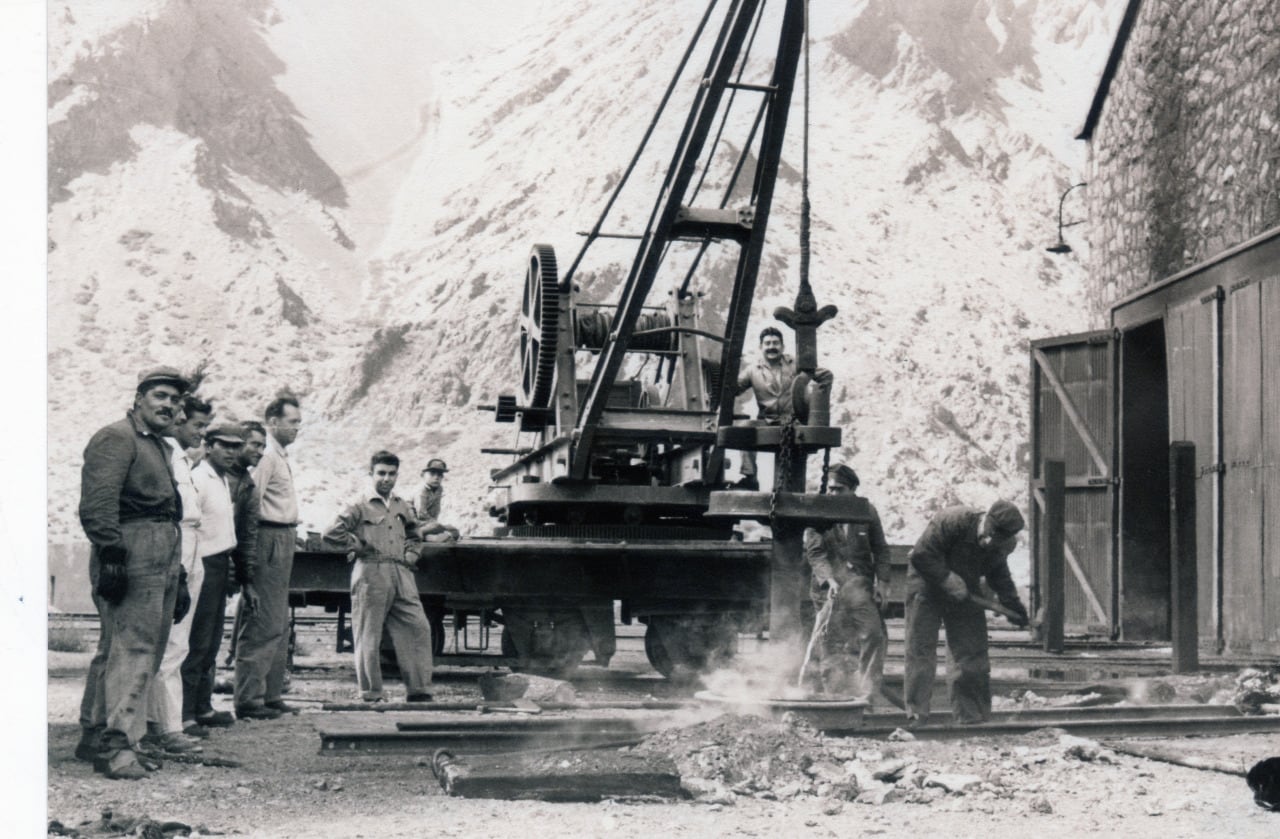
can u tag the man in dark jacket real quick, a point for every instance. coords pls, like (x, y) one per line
(958, 548)
(847, 560)
(130, 509)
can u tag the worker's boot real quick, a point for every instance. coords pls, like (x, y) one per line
(120, 765)
(87, 748)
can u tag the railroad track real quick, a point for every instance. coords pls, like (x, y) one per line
(424, 734)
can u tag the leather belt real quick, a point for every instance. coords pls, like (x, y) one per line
(276, 524)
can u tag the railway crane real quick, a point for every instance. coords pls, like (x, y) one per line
(616, 491)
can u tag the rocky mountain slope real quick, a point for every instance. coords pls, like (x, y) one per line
(339, 201)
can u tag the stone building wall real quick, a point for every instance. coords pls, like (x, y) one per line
(1184, 160)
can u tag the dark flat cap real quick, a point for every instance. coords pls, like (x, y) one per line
(162, 376)
(435, 464)
(226, 433)
(844, 473)
(1004, 519)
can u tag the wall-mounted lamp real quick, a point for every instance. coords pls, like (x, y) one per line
(1062, 246)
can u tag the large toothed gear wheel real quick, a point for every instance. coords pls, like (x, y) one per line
(539, 318)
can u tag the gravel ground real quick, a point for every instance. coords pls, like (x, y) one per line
(1034, 784)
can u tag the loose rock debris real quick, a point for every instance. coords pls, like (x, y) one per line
(119, 824)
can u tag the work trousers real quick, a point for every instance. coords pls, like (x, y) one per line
(209, 616)
(385, 594)
(262, 646)
(165, 706)
(132, 634)
(852, 645)
(968, 669)
(748, 456)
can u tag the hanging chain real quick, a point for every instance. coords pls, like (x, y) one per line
(783, 471)
(826, 464)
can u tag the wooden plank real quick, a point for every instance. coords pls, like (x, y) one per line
(559, 776)
(1242, 453)
(1270, 472)
(1073, 412)
(1167, 754)
(1055, 510)
(1182, 537)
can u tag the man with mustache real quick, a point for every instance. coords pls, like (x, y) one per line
(262, 646)
(770, 380)
(130, 510)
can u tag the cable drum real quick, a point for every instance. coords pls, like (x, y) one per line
(591, 329)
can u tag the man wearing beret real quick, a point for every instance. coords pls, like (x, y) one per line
(217, 542)
(958, 548)
(848, 560)
(429, 525)
(130, 510)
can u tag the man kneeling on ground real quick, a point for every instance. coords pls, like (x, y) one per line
(380, 534)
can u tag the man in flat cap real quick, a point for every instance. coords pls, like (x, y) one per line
(217, 542)
(958, 548)
(130, 510)
(850, 564)
(429, 525)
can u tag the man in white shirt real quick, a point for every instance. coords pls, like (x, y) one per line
(164, 705)
(217, 541)
(262, 644)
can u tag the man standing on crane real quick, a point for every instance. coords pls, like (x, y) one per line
(770, 380)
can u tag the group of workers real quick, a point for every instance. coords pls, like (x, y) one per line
(182, 514)
(849, 565)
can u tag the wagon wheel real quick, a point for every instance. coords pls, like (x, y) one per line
(539, 320)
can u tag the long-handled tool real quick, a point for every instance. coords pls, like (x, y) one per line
(819, 627)
(992, 606)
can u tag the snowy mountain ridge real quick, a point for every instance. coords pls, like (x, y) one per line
(284, 190)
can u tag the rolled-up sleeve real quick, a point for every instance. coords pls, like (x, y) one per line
(107, 459)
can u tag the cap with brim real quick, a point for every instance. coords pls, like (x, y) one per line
(847, 476)
(162, 376)
(435, 464)
(226, 434)
(1004, 520)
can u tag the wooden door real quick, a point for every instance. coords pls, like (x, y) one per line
(1251, 394)
(1191, 344)
(1073, 382)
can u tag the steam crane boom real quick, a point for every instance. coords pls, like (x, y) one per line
(673, 219)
